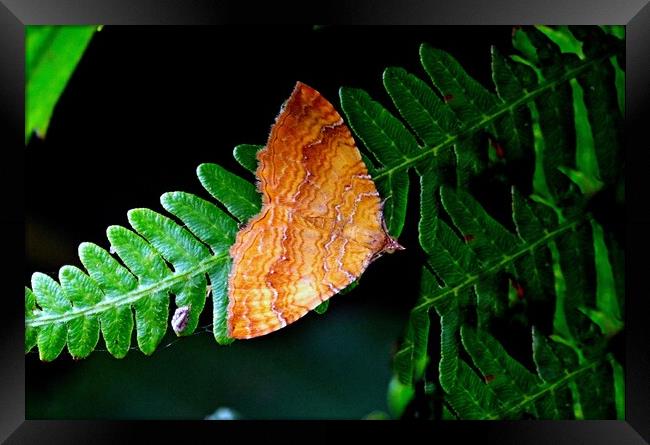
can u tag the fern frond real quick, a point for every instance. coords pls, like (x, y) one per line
(468, 264)
(476, 267)
(503, 388)
(158, 258)
(464, 281)
(530, 96)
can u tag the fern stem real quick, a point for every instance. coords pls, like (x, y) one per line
(488, 119)
(129, 298)
(507, 259)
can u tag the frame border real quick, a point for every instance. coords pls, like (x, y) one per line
(15, 14)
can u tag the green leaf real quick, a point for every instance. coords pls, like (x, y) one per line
(149, 267)
(451, 258)
(470, 274)
(607, 314)
(172, 241)
(51, 56)
(522, 43)
(238, 195)
(219, 287)
(139, 256)
(395, 190)
(449, 311)
(399, 396)
(83, 332)
(411, 360)
(180, 248)
(381, 132)
(602, 107)
(520, 111)
(577, 268)
(31, 333)
(205, 220)
(322, 308)
(428, 213)
(246, 155)
(508, 390)
(466, 97)
(562, 37)
(471, 398)
(619, 388)
(556, 111)
(513, 130)
(50, 297)
(489, 239)
(114, 280)
(427, 115)
(507, 378)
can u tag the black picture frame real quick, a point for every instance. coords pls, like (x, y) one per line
(635, 14)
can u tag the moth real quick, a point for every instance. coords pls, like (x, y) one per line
(320, 226)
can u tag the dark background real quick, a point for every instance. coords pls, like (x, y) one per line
(145, 107)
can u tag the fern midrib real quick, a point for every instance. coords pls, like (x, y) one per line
(545, 389)
(489, 118)
(47, 318)
(507, 259)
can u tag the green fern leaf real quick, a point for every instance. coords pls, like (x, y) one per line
(507, 389)
(418, 104)
(510, 380)
(49, 296)
(205, 220)
(238, 195)
(602, 107)
(489, 239)
(467, 98)
(114, 280)
(219, 282)
(83, 332)
(31, 334)
(322, 308)
(246, 155)
(514, 128)
(472, 399)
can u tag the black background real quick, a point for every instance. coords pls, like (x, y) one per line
(144, 108)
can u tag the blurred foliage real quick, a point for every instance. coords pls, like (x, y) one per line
(51, 56)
